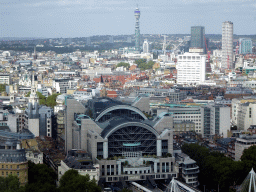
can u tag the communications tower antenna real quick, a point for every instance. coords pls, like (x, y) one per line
(137, 29)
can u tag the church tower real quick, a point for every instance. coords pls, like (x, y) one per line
(33, 96)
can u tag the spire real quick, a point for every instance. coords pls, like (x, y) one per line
(33, 96)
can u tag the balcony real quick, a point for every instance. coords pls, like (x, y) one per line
(195, 171)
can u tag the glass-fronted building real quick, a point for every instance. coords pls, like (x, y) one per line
(245, 46)
(197, 37)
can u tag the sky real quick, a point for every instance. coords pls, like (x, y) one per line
(84, 18)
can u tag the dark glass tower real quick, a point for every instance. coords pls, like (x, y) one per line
(197, 37)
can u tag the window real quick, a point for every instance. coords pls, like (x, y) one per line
(18, 167)
(2, 166)
(6, 173)
(11, 166)
(6, 166)
(18, 173)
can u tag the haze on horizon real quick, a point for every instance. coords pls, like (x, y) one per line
(83, 18)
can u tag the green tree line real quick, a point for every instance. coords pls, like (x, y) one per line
(143, 64)
(218, 171)
(50, 101)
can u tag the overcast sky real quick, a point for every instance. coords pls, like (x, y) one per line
(83, 18)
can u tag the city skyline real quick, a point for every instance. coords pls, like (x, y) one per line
(65, 18)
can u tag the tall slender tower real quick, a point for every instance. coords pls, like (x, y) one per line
(137, 29)
(227, 45)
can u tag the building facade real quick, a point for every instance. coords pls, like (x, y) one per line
(13, 160)
(245, 46)
(191, 69)
(197, 37)
(227, 45)
(242, 143)
(121, 139)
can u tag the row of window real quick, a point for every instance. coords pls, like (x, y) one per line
(18, 173)
(11, 167)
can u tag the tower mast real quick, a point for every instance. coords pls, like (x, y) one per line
(137, 29)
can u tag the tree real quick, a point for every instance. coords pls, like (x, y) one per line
(10, 184)
(40, 178)
(51, 100)
(126, 65)
(42, 98)
(216, 170)
(72, 181)
(2, 87)
(249, 158)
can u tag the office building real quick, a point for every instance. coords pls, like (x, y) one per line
(137, 29)
(245, 46)
(197, 37)
(62, 85)
(191, 69)
(227, 45)
(206, 120)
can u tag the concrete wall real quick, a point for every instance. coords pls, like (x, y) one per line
(72, 107)
(33, 126)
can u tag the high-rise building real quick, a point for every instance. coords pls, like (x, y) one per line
(137, 29)
(227, 45)
(245, 45)
(191, 68)
(145, 46)
(197, 37)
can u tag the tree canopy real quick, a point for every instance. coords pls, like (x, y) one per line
(143, 64)
(216, 170)
(72, 181)
(126, 65)
(50, 101)
(249, 158)
(10, 184)
(40, 178)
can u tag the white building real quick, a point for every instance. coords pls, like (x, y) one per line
(145, 46)
(191, 69)
(242, 143)
(61, 85)
(244, 112)
(71, 163)
(5, 79)
(227, 45)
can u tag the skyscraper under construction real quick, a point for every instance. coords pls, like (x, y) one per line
(137, 29)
